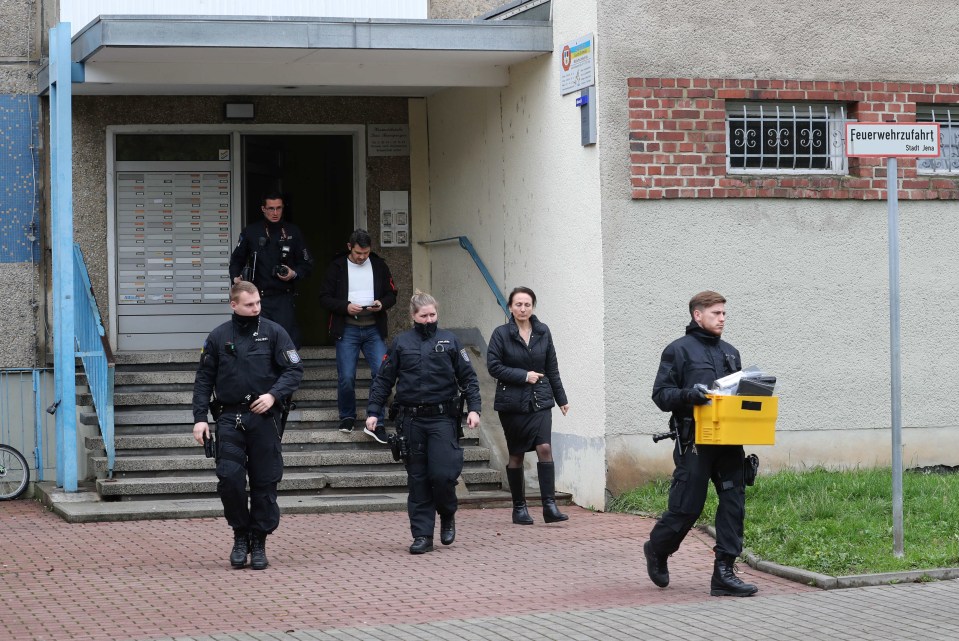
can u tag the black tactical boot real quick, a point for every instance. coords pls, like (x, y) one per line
(656, 566)
(726, 583)
(447, 529)
(258, 560)
(547, 489)
(517, 487)
(241, 548)
(422, 545)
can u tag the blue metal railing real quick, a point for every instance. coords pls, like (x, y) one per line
(24, 392)
(468, 246)
(93, 349)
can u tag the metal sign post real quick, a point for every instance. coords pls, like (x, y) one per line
(890, 141)
(895, 369)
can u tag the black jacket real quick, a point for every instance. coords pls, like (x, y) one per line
(266, 240)
(697, 357)
(508, 360)
(334, 293)
(427, 370)
(245, 356)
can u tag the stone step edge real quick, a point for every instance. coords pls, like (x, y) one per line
(291, 460)
(106, 511)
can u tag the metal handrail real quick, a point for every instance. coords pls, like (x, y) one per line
(93, 349)
(468, 246)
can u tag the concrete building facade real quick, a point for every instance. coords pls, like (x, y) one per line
(616, 236)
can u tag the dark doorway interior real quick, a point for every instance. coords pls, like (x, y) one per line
(315, 175)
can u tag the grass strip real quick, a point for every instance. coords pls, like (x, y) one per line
(836, 522)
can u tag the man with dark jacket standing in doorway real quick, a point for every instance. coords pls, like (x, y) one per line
(272, 254)
(357, 290)
(688, 366)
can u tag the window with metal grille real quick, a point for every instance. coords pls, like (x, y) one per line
(948, 118)
(763, 137)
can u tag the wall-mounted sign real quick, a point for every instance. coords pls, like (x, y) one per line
(576, 65)
(388, 140)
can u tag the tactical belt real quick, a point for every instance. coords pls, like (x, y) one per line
(237, 408)
(426, 411)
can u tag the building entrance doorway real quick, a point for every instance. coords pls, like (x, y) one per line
(314, 172)
(178, 201)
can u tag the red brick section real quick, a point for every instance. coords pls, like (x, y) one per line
(677, 138)
(152, 579)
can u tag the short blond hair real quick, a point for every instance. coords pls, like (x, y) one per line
(419, 300)
(243, 287)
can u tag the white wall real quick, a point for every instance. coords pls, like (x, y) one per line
(79, 13)
(806, 279)
(507, 169)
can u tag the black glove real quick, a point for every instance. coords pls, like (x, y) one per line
(694, 396)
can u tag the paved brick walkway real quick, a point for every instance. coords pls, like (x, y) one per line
(170, 579)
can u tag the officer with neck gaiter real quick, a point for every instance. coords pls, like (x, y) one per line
(429, 368)
(252, 367)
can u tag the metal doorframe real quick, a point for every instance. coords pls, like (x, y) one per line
(358, 133)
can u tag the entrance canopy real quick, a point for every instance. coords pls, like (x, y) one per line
(190, 55)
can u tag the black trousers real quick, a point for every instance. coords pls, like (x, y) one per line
(280, 308)
(721, 464)
(253, 452)
(435, 463)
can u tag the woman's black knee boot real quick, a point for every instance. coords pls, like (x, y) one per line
(517, 487)
(547, 489)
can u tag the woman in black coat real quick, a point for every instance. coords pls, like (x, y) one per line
(522, 359)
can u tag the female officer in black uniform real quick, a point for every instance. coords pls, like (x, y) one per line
(429, 368)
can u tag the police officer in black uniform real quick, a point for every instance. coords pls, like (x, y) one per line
(699, 357)
(272, 253)
(253, 367)
(429, 369)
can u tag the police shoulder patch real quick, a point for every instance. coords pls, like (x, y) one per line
(465, 355)
(292, 356)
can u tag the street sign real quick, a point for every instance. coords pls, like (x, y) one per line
(892, 139)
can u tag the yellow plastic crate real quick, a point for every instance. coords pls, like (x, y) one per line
(737, 420)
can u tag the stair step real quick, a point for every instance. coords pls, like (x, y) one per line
(124, 398)
(184, 439)
(93, 511)
(160, 470)
(193, 355)
(292, 482)
(185, 416)
(293, 459)
(325, 372)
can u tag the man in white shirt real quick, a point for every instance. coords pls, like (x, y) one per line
(357, 290)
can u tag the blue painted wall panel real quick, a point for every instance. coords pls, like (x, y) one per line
(19, 218)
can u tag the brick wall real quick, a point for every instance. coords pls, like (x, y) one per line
(677, 134)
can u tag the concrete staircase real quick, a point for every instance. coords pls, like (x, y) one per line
(161, 472)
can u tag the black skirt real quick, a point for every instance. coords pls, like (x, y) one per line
(525, 431)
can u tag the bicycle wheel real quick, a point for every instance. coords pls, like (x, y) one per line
(14, 473)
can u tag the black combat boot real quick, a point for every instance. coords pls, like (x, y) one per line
(726, 583)
(656, 566)
(447, 529)
(422, 545)
(258, 560)
(517, 487)
(547, 489)
(241, 548)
